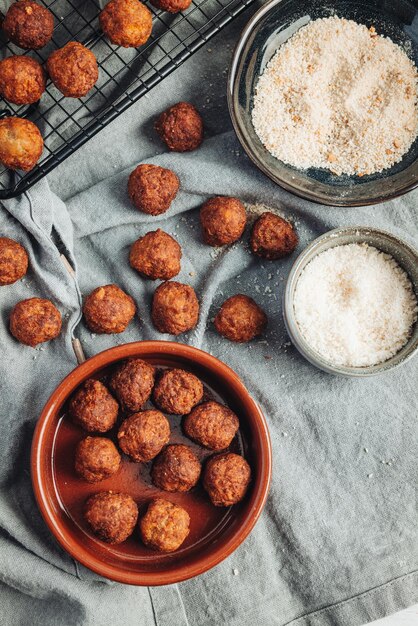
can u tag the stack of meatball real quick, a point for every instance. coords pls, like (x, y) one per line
(157, 256)
(144, 436)
(34, 320)
(73, 68)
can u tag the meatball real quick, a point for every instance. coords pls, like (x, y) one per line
(177, 468)
(152, 188)
(172, 6)
(177, 392)
(127, 23)
(13, 261)
(226, 478)
(96, 458)
(93, 408)
(108, 309)
(142, 435)
(73, 69)
(156, 255)
(211, 425)
(223, 220)
(240, 319)
(28, 24)
(272, 237)
(112, 516)
(164, 526)
(132, 383)
(35, 321)
(175, 308)
(22, 80)
(21, 143)
(180, 127)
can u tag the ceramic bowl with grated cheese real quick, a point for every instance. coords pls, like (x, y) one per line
(350, 303)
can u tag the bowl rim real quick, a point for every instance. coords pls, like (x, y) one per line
(39, 483)
(288, 310)
(231, 89)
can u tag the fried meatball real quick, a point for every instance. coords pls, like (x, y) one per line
(132, 383)
(22, 80)
(21, 143)
(152, 188)
(175, 308)
(240, 319)
(177, 468)
(73, 69)
(223, 220)
(112, 516)
(272, 237)
(35, 321)
(96, 459)
(108, 310)
(13, 261)
(164, 526)
(156, 255)
(172, 6)
(212, 425)
(177, 392)
(28, 24)
(142, 435)
(226, 478)
(93, 408)
(180, 127)
(126, 23)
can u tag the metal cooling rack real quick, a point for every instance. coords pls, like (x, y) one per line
(125, 75)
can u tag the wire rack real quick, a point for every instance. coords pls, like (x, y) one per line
(125, 75)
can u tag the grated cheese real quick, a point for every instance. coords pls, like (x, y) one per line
(354, 305)
(338, 96)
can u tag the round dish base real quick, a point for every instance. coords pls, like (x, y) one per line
(215, 531)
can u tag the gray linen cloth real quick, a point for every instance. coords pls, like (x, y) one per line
(337, 542)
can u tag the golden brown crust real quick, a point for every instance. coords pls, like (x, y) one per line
(180, 127)
(132, 383)
(223, 220)
(226, 478)
(272, 237)
(35, 321)
(212, 425)
(93, 408)
(177, 391)
(172, 6)
(96, 458)
(177, 468)
(21, 143)
(73, 69)
(126, 23)
(240, 319)
(175, 308)
(111, 516)
(164, 526)
(13, 261)
(152, 188)
(22, 80)
(156, 255)
(143, 435)
(28, 24)
(108, 309)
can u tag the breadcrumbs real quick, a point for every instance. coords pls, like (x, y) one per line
(338, 96)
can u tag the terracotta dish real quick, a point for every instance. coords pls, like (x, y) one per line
(215, 532)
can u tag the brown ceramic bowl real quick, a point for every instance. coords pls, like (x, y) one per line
(215, 532)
